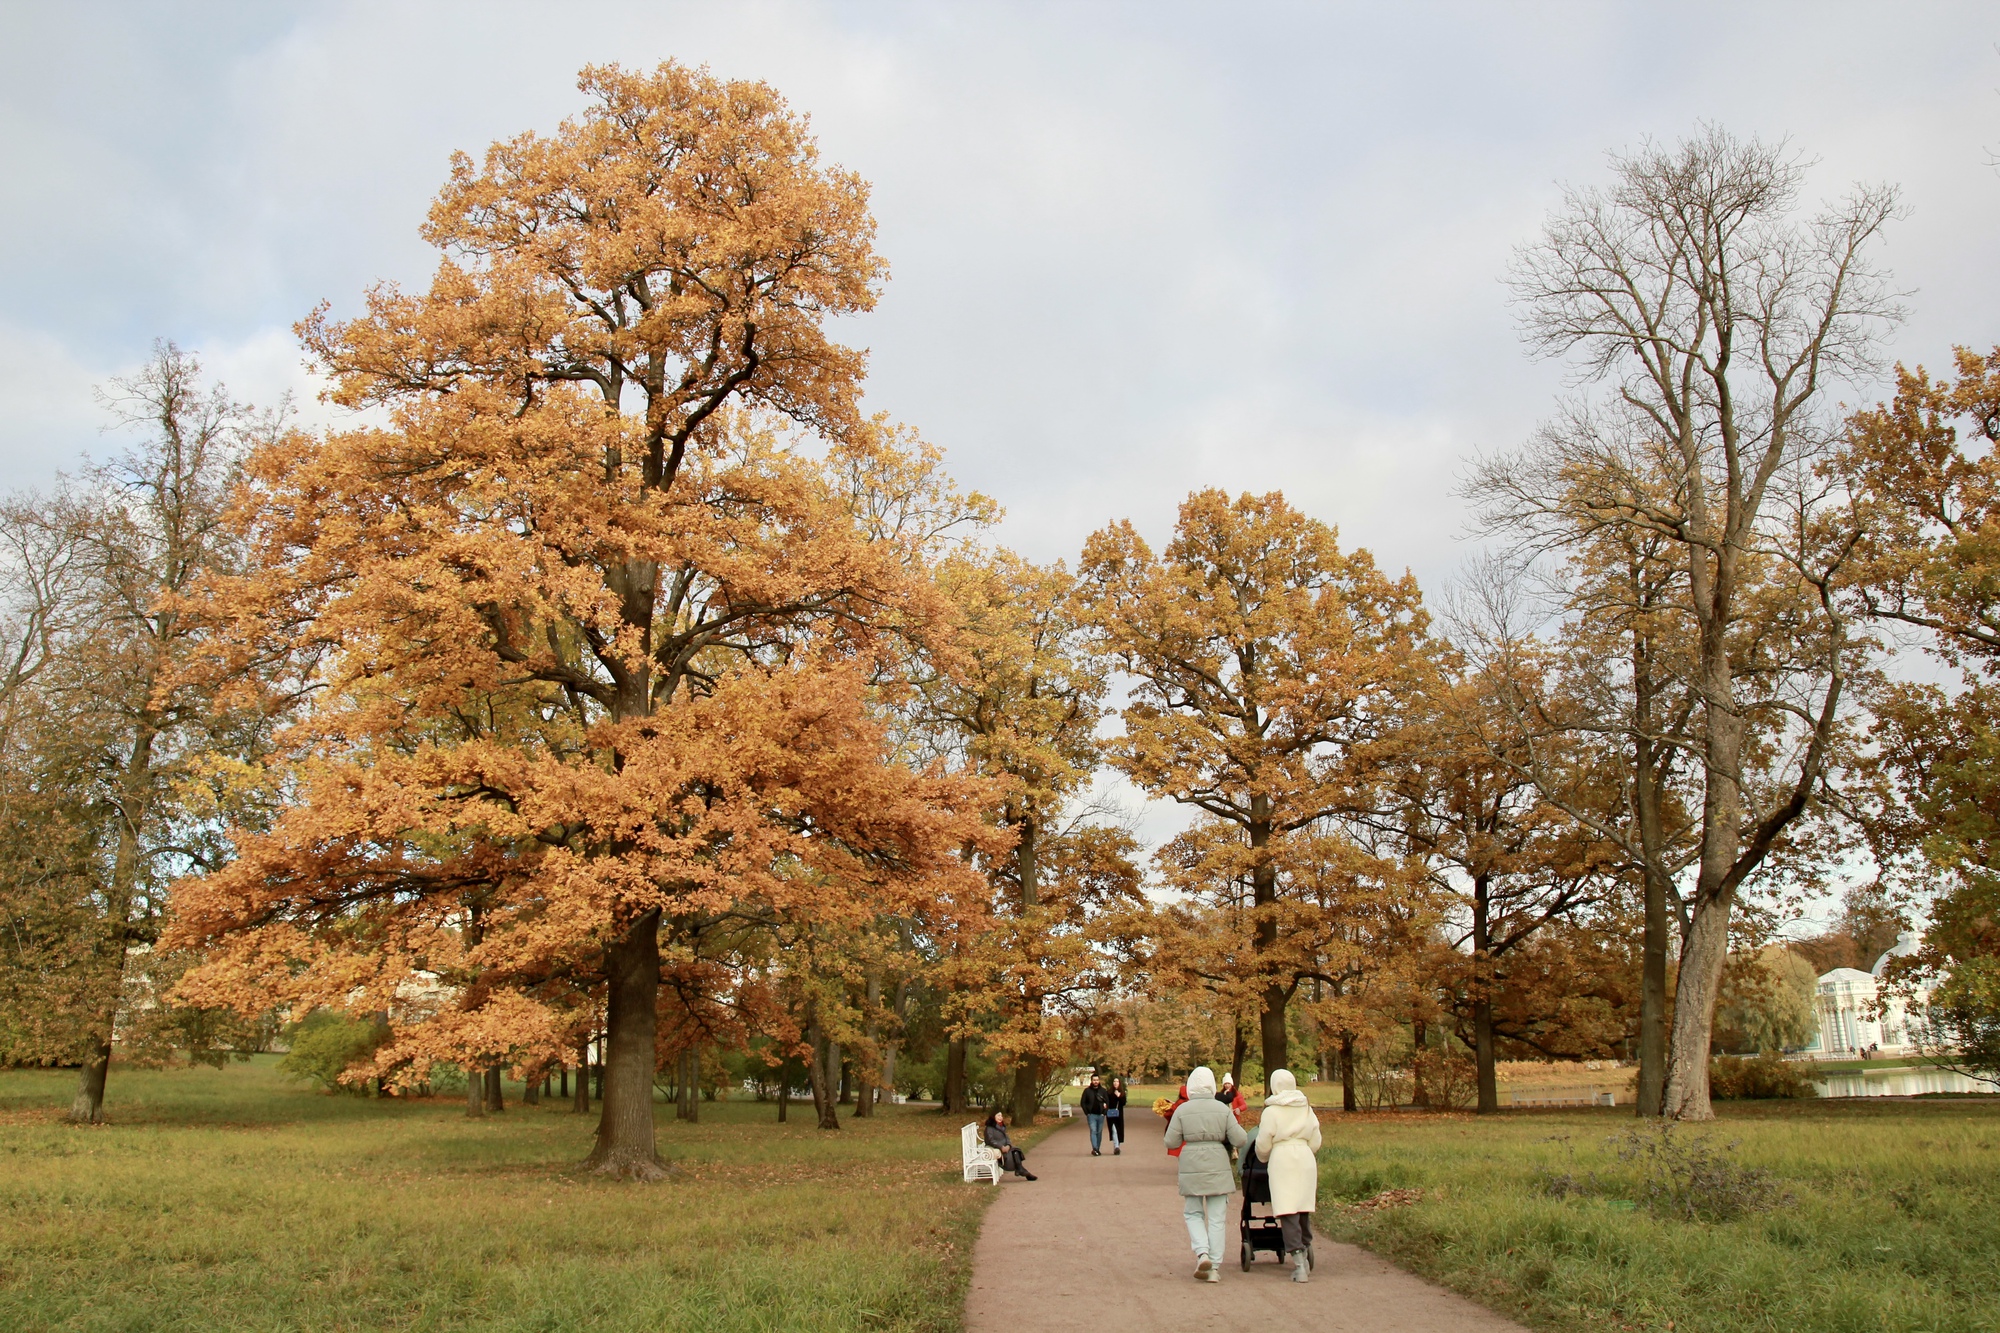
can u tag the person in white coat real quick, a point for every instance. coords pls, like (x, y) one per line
(1287, 1140)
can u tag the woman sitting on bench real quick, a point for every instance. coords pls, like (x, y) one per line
(1011, 1158)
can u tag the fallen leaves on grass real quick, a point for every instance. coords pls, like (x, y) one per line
(1385, 1200)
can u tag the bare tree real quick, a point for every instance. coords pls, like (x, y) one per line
(98, 706)
(1713, 320)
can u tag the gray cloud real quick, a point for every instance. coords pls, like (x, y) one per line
(1136, 249)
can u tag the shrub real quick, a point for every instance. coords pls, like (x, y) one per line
(326, 1044)
(1691, 1180)
(1759, 1078)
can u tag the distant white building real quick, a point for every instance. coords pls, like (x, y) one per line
(1848, 1022)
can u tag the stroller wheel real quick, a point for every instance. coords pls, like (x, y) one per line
(1246, 1256)
(1311, 1257)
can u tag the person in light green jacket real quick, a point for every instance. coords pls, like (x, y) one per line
(1205, 1130)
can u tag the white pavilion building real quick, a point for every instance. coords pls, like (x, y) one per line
(1848, 1024)
(1851, 1029)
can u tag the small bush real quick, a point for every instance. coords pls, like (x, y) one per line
(1759, 1078)
(1691, 1180)
(325, 1044)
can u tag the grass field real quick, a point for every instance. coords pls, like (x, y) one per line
(1894, 1224)
(234, 1200)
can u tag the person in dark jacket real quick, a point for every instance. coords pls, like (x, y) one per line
(1094, 1099)
(1114, 1115)
(1011, 1158)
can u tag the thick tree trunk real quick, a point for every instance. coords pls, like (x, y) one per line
(531, 1091)
(563, 1090)
(846, 1069)
(955, 1100)
(475, 1093)
(581, 1105)
(1706, 943)
(1239, 1049)
(1348, 1101)
(1482, 997)
(1264, 892)
(626, 1147)
(1027, 1090)
(1700, 982)
(495, 1101)
(87, 1107)
(784, 1095)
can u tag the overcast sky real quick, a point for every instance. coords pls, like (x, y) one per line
(1135, 249)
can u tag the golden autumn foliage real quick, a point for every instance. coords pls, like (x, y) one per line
(1270, 672)
(595, 613)
(1020, 702)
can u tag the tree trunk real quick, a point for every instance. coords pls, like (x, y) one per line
(581, 1104)
(563, 1091)
(531, 1091)
(1420, 1095)
(1482, 996)
(846, 1068)
(687, 1085)
(864, 1092)
(1240, 1049)
(893, 1048)
(784, 1094)
(475, 1092)
(1347, 1098)
(955, 1100)
(626, 1147)
(1264, 891)
(134, 800)
(1700, 981)
(87, 1108)
(494, 1100)
(1027, 1090)
(1652, 1085)
(822, 1070)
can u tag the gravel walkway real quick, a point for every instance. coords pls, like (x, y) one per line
(1102, 1236)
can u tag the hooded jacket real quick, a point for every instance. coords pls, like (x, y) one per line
(1204, 1130)
(1288, 1139)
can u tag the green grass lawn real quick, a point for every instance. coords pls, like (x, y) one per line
(234, 1200)
(1894, 1223)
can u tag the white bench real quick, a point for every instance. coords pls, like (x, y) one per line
(978, 1159)
(1064, 1111)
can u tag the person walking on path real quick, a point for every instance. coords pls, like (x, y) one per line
(1094, 1099)
(1114, 1115)
(1288, 1141)
(1011, 1158)
(1232, 1097)
(1205, 1130)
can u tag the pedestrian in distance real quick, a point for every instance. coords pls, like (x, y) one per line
(1011, 1158)
(1231, 1097)
(1114, 1115)
(1094, 1099)
(1205, 1132)
(1288, 1141)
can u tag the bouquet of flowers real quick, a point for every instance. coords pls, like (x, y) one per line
(1163, 1107)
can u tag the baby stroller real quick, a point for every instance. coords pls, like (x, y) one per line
(1260, 1230)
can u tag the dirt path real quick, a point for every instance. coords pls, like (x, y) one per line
(1104, 1235)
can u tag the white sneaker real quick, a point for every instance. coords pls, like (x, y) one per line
(1204, 1271)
